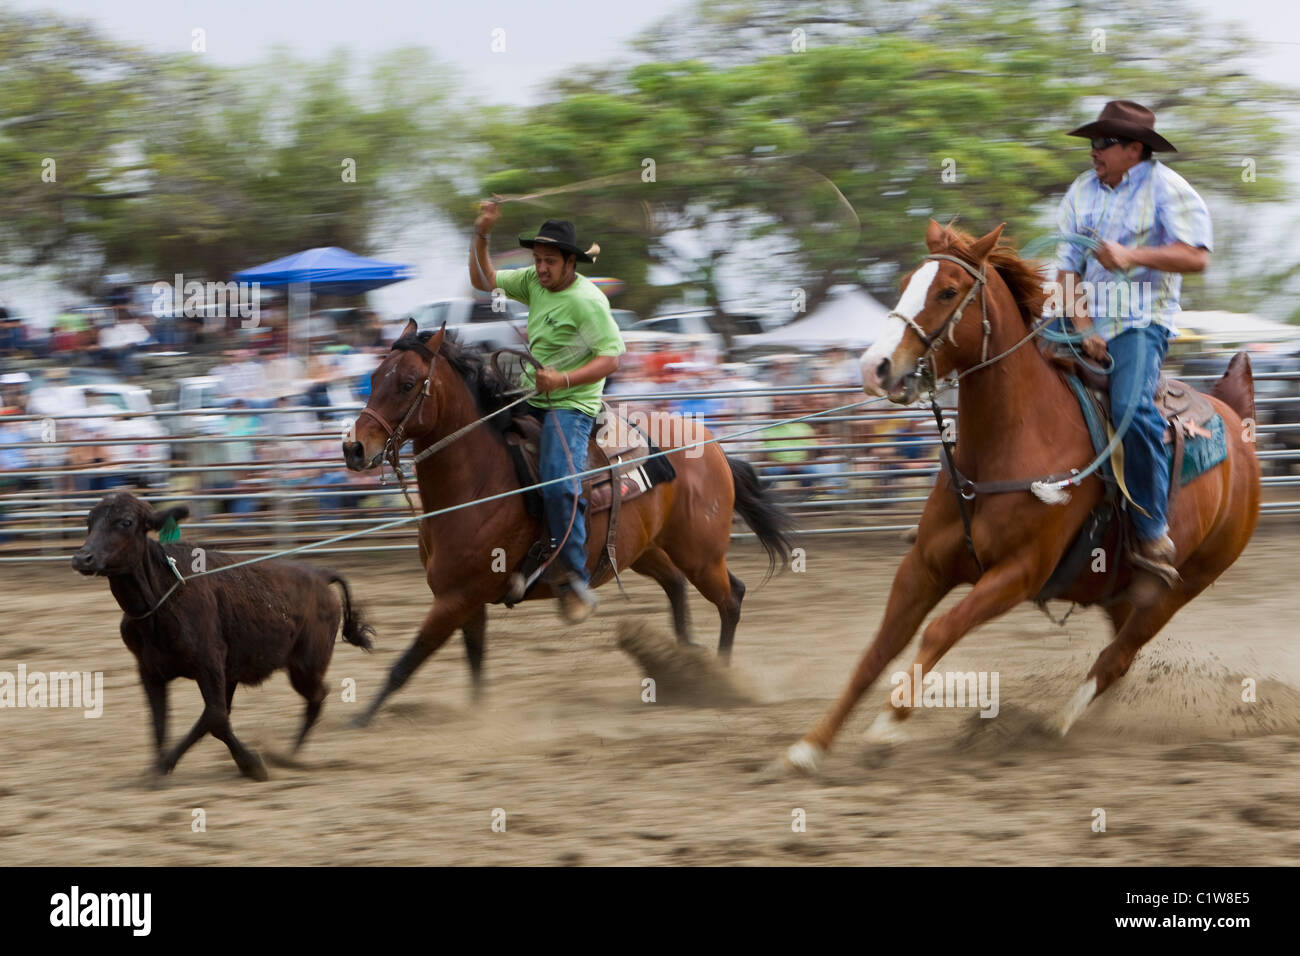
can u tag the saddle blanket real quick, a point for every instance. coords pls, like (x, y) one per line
(1201, 452)
(1205, 443)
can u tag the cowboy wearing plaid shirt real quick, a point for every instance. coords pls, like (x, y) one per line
(1150, 221)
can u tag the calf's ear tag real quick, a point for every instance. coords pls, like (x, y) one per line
(170, 531)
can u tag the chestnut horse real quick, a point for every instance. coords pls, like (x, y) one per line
(676, 532)
(1018, 419)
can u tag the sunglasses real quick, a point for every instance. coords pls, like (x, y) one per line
(1106, 142)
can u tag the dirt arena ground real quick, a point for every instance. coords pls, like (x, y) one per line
(587, 773)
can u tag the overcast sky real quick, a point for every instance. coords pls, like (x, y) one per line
(542, 38)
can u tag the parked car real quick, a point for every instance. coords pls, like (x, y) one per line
(77, 409)
(201, 398)
(474, 321)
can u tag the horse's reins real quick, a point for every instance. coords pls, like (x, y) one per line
(1049, 488)
(960, 483)
(397, 436)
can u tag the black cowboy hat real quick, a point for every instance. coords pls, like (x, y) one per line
(1126, 120)
(560, 234)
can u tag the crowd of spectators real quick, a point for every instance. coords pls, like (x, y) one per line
(266, 436)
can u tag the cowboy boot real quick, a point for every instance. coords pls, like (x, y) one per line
(1153, 563)
(577, 600)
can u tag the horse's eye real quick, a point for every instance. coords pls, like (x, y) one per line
(408, 386)
(948, 294)
(124, 523)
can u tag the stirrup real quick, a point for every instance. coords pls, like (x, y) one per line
(524, 576)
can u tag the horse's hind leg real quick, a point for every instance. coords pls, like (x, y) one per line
(730, 617)
(1134, 628)
(725, 592)
(655, 563)
(474, 630)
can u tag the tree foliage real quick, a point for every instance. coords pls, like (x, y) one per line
(756, 115)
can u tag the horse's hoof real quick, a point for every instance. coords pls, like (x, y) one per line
(155, 778)
(256, 770)
(515, 588)
(886, 729)
(1077, 705)
(804, 757)
(360, 721)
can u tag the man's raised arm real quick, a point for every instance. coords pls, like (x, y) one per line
(481, 274)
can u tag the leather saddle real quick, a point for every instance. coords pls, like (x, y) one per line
(617, 446)
(1186, 411)
(1179, 404)
(613, 439)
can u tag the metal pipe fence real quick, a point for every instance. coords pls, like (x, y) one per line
(279, 482)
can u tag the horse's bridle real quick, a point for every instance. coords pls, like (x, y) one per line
(962, 486)
(949, 327)
(396, 436)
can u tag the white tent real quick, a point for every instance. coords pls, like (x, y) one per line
(1236, 327)
(849, 318)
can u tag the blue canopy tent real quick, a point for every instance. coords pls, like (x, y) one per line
(329, 270)
(326, 270)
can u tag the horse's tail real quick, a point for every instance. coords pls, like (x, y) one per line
(355, 629)
(765, 517)
(1236, 388)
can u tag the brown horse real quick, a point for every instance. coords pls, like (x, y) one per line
(676, 532)
(1018, 419)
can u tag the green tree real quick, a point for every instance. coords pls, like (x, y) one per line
(169, 164)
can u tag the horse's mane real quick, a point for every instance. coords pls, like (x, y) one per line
(1022, 276)
(470, 362)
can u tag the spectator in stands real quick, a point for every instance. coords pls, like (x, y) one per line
(792, 447)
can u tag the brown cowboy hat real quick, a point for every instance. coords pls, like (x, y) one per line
(1126, 120)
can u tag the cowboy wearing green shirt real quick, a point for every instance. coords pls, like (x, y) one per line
(575, 338)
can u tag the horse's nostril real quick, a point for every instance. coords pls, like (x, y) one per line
(882, 370)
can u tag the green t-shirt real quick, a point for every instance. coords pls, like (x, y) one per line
(566, 330)
(782, 436)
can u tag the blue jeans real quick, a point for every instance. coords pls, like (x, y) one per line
(561, 498)
(1138, 355)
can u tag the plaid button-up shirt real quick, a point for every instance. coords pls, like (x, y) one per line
(1152, 206)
